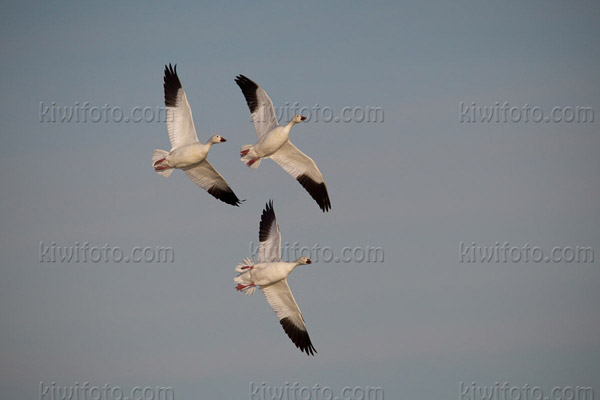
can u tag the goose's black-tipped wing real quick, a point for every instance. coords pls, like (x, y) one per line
(171, 84)
(280, 298)
(260, 105)
(298, 335)
(317, 190)
(180, 122)
(207, 177)
(305, 171)
(269, 236)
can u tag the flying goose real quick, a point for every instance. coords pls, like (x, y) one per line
(187, 153)
(274, 143)
(270, 274)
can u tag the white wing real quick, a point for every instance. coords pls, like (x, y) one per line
(280, 298)
(269, 236)
(206, 176)
(180, 123)
(261, 106)
(305, 171)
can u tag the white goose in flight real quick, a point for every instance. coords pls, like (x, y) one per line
(274, 143)
(187, 153)
(270, 274)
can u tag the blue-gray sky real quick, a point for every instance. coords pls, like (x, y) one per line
(417, 185)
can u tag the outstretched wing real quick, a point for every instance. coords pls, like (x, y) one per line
(269, 236)
(206, 176)
(305, 171)
(180, 123)
(280, 298)
(261, 106)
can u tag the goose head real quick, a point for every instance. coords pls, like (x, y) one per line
(217, 139)
(303, 260)
(297, 119)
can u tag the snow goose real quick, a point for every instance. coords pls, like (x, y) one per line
(270, 274)
(274, 143)
(187, 153)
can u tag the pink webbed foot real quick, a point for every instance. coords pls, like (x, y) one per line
(242, 287)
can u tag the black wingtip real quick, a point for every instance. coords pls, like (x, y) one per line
(269, 206)
(171, 85)
(242, 79)
(266, 221)
(239, 202)
(298, 336)
(249, 90)
(226, 196)
(317, 190)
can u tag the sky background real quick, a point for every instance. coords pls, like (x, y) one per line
(417, 185)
